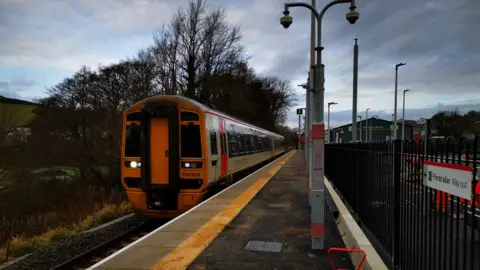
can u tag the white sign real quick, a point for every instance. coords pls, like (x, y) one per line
(450, 178)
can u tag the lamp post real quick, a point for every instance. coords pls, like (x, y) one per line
(366, 124)
(395, 106)
(329, 104)
(371, 128)
(393, 129)
(307, 120)
(355, 90)
(299, 112)
(318, 126)
(403, 114)
(360, 133)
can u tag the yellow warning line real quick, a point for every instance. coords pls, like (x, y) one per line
(183, 255)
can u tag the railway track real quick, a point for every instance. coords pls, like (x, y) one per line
(103, 250)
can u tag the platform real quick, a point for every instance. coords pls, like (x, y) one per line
(270, 205)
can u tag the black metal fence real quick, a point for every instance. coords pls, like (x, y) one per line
(413, 225)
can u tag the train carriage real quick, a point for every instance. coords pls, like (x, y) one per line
(174, 149)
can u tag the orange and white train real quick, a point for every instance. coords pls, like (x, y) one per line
(174, 149)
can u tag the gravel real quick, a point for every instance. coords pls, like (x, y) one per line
(53, 255)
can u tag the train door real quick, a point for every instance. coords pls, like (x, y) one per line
(159, 164)
(160, 155)
(223, 148)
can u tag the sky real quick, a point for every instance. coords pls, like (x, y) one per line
(44, 41)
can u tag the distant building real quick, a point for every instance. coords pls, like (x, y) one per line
(381, 130)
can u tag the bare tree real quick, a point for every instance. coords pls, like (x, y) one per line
(197, 45)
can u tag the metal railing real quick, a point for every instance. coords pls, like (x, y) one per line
(413, 225)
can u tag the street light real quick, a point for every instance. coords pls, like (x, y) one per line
(395, 106)
(359, 117)
(307, 119)
(330, 103)
(371, 128)
(316, 165)
(393, 128)
(299, 113)
(366, 124)
(403, 114)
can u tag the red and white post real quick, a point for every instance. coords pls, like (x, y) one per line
(317, 162)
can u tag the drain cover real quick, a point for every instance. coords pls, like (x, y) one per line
(279, 205)
(264, 246)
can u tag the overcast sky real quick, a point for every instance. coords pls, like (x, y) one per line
(43, 41)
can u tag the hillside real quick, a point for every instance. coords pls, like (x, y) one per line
(16, 112)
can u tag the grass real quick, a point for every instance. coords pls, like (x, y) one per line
(20, 245)
(58, 173)
(19, 114)
(56, 206)
(62, 173)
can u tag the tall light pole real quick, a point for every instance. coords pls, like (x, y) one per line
(393, 129)
(371, 128)
(308, 113)
(355, 87)
(329, 131)
(366, 124)
(318, 126)
(299, 113)
(360, 133)
(395, 106)
(403, 114)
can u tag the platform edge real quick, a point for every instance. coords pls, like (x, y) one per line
(352, 235)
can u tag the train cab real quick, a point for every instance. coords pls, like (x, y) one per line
(162, 155)
(174, 149)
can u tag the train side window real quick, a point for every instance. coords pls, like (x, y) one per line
(240, 144)
(213, 143)
(232, 144)
(258, 141)
(252, 143)
(245, 143)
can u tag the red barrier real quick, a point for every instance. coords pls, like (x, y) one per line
(349, 250)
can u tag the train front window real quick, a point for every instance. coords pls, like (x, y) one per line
(132, 141)
(191, 141)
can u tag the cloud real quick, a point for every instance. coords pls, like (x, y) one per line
(436, 38)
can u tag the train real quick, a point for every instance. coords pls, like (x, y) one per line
(175, 149)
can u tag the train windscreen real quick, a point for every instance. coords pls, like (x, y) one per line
(132, 141)
(191, 141)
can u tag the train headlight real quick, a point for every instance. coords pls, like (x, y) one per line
(192, 165)
(132, 164)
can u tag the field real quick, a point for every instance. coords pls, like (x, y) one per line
(17, 114)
